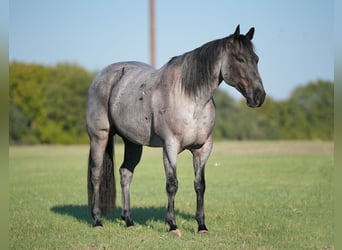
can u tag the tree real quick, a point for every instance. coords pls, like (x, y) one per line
(312, 109)
(238, 122)
(66, 95)
(47, 104)
(307, 114)
(20, 129)
(26, 100)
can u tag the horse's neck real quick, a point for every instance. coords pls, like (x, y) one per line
(213, 81)
(207, 84)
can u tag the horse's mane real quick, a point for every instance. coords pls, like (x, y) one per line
(198, 65)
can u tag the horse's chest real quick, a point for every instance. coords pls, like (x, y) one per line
(197, 130)
(190, 126)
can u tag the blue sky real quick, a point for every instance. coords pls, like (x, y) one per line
(294, 38)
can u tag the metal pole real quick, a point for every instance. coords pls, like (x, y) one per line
(152, 34)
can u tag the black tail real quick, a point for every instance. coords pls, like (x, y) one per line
(107, 186)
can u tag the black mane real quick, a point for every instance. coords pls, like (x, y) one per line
(198, 65)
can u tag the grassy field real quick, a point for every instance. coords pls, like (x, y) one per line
(260, 195)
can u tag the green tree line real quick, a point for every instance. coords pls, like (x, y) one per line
(47, 105)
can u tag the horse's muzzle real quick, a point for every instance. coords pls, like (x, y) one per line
(256, 98)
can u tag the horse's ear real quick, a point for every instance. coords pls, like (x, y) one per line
(237, 32)
(250, 33)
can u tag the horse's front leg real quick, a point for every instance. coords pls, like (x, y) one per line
(170, 159)
(200, 157)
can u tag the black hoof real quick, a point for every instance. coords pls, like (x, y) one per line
(129, 222)
(202, 229)
(97, 224)
(173, 228)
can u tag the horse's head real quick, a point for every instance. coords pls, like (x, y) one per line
(240, 68)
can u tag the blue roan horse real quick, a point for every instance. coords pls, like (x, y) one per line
(171, 107)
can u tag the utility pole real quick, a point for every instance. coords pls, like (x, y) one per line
(152, 34)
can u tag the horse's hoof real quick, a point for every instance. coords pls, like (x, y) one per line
(176, 232)
(97, 224)
(129, 223)
(202, 229)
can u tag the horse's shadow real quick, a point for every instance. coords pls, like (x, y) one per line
(141, 215)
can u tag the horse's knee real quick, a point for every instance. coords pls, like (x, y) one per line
(199, 186)
(171, 184)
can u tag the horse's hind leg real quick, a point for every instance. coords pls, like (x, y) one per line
(131, 159)
(200, 157)
(98, 145)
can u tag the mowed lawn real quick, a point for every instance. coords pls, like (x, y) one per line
(260, 195)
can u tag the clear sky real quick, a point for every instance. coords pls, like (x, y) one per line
(293, 38)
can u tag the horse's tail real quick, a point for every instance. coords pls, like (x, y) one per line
(107, 186)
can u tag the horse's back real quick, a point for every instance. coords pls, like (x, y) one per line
(113, 73)
(111, 89)
(120, 97)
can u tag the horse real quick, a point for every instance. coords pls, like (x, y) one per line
(172, 108)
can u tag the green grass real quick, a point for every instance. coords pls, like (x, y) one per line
(260, 195)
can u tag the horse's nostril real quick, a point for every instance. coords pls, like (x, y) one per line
(260, 97)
